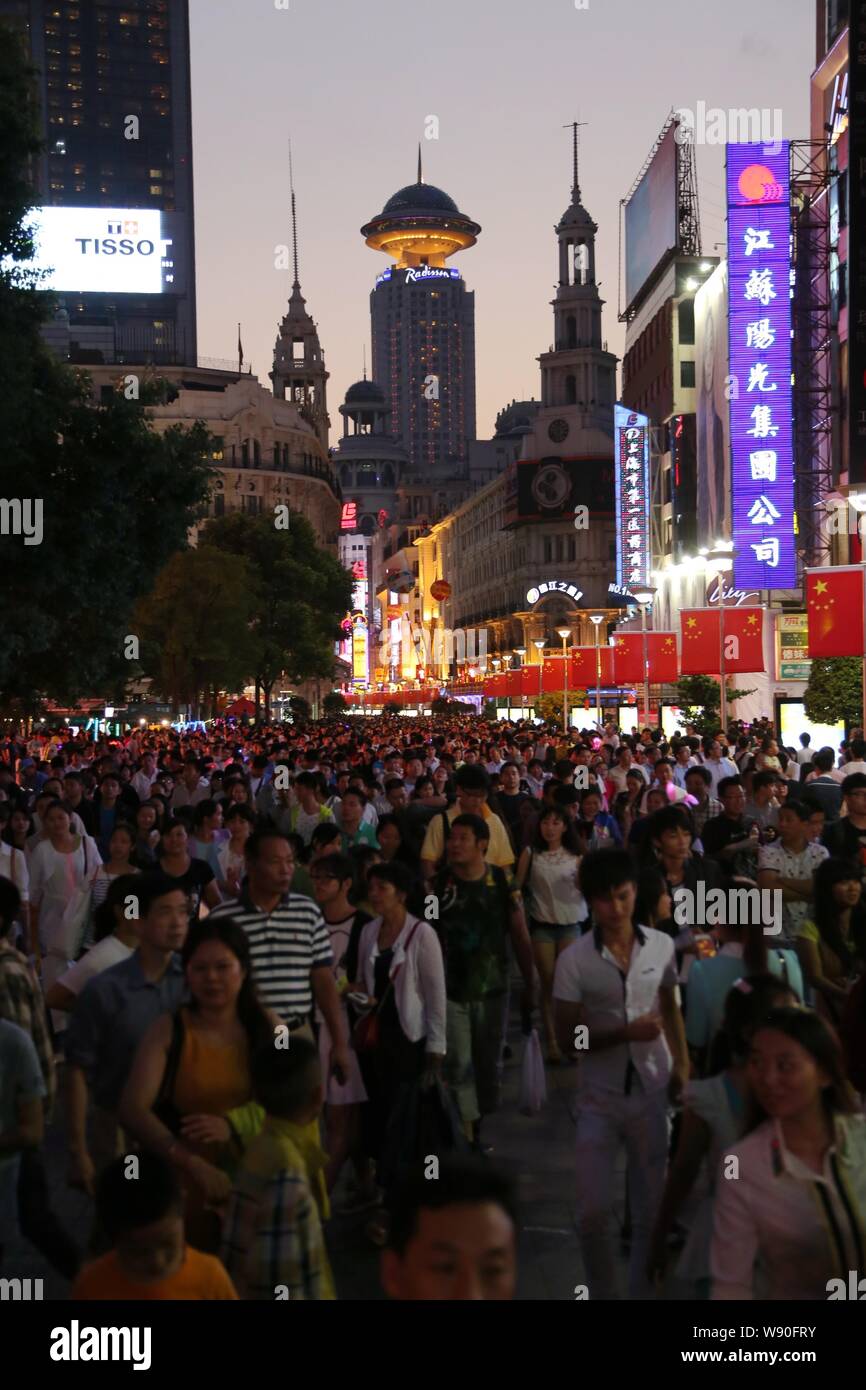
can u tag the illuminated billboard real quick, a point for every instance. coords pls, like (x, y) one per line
(651, 221)
(713, 424)
(633, 553)
(759, 330)
(103, 250)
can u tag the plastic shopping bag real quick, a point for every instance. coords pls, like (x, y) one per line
(533, 1083)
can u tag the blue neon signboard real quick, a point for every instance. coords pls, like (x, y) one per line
(759, 338)
(632, 473)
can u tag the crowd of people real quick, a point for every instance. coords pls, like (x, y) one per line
(244, 970)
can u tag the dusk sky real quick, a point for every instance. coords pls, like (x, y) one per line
(352, 85)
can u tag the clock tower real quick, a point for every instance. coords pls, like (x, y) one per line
(578, 375)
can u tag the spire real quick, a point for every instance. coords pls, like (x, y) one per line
(296, 282)
(575, 186)
(364, 351)
(420, 178)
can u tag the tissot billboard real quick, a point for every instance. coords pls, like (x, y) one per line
(759, 327)
(105, 250)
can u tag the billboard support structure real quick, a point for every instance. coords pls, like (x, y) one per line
(812, 344)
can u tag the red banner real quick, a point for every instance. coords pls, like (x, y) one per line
(701, 648)
(834, 603)
(628, 658)
(662, 658)
(582, 673)
(744, 640)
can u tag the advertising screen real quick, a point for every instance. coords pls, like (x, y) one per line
(793, 723)
(550, 489)
(633, 553)
(651, 218)
(104, 250)
(713, 429)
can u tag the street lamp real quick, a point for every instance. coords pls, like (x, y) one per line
(597, 619)
(565, 634)
(521, 653)
(643, 595)
(539, 643)
(722, 559)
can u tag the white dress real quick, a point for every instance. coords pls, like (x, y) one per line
(54, 879)
(352, 1092)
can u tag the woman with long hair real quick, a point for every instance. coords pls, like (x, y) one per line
(712, 1120)
(831, 942)
(192, 1068)
(401, 977)
(547, 870)
(792, 1223)
(147, 817)
(62, 864)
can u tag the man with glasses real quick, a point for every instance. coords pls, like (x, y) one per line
(732, 838)
(846, 837)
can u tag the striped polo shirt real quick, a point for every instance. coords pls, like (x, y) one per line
(285, 946)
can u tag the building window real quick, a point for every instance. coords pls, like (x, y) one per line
(687, 374)
(686, 321)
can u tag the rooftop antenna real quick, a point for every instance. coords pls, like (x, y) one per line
(296, 283)
(575, 128)
(364, 351)
(420, 178)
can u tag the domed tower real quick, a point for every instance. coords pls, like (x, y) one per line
(370, 463)
(423, 327)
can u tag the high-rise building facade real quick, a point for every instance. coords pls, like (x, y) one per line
(115, 182)
(423, 328)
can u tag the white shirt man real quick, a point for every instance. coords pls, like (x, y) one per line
(143, 780)
(719, 767)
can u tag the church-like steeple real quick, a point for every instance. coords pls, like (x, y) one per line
(578, 372)
(299, 373)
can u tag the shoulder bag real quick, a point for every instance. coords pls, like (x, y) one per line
(365, 1034)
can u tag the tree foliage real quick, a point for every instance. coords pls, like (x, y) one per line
(700, 699)
(335, 702)
(116, 499)
(835, 691)
(301, 594)
(196, 626)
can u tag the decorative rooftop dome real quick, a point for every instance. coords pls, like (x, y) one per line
(363, 391)
(420, 197)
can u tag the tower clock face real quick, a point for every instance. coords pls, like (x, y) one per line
(557, 430)
(551, 486)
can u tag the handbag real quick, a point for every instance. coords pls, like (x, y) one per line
(164, 1107)
(76, 915)
(533, 1082)
(365, 1034)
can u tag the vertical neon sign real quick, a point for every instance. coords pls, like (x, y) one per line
(633, 555)
(759, 328)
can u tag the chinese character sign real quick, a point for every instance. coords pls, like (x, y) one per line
(759, 327)
(633, 556)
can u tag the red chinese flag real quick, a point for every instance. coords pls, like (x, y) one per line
(744, 640)
(628, 658)
(583, 672)
(552, 677)
(662, 659)
(529, 680)
(834, 603)
(701, 650)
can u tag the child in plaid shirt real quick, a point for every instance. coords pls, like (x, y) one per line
(273, 1245)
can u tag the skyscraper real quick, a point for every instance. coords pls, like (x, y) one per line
(423, 327)
(116, 183)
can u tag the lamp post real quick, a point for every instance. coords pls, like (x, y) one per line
(721, 559)
(565, 634)
(521, 652)
(597, 619)
(643, 595)
(539, 644)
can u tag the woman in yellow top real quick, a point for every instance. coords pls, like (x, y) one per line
(192, 1068)
(831, 943)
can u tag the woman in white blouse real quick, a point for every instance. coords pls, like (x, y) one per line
(61, 864)
(790, 1210)
(548, 871)
(402, 975)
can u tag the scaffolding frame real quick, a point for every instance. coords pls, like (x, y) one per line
(815, 411)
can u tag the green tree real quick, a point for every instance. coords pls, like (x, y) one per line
(835, 691)
(107, 500)
(196, 627)
(335, 702)
(300, 708)
(700, 700)
(392, 707)
(302, 594)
